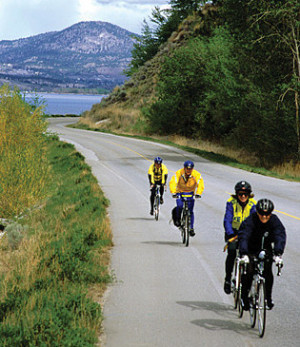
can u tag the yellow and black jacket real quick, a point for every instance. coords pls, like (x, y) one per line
(157, 175)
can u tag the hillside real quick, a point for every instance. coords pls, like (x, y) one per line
(85, 55)
(127, 100)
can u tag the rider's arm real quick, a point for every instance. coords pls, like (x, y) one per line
(200, 183)
(227, 222)
(253, 207)
(173, 184)
(151, 174)
(279, 235)
(164, 179)
(244, 233)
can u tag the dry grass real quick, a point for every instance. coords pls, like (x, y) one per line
(122, 120)
(112, 118)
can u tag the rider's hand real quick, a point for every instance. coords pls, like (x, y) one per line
(278, 261)
(151, 186)
(197, 196)
(245, 259)
(175, 196)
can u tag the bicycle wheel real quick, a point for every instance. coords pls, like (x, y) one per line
(239, 289)
(235, 284)
(187, 229)
(156, 207)
(182, 228)
(261, 308)
(252, 307)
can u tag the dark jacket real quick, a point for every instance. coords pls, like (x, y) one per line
(252, 231)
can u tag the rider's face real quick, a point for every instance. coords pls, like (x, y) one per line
(157, 165)
(188, 171)
(264, 218)
(243, 196)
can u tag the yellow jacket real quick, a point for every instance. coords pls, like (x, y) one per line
(179, 184)
(157, 175)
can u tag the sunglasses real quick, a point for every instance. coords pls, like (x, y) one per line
(263, 213)
(243, 194)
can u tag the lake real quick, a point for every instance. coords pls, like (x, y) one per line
(65, 103)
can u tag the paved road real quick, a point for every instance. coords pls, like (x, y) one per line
(165, 294)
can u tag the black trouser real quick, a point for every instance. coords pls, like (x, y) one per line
(153, 189)
(229, 263)
(268, 275)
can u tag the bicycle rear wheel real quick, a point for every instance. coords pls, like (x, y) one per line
(261, 309)
(156, 207)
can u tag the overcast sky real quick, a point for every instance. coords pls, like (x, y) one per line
(23, 18)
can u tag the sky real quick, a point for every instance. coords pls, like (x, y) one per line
(24, 18)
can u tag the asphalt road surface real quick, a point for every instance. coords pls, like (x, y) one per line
(165, 294)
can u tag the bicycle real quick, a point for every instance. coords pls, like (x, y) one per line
(257, 293)
(185, 220)
(156, 203)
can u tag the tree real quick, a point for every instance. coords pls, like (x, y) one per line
(283, 20)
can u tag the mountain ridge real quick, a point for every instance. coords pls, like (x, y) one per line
(89, 54)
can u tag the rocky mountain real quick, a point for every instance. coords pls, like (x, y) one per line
(85, 55)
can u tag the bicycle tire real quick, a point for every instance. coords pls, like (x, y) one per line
(187, 229)
(235, 285)
(182, 228)
(261, 308)
(156, 207)
(252, 307)
(240, 307)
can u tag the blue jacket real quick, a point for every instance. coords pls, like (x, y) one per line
(251, 233)
(235, 214)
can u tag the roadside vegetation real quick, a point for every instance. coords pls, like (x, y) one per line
(54, 252)
(217, 73)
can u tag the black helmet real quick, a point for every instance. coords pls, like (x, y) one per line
(264, 206)
(243, 186)
(158, 160)
(188, 164)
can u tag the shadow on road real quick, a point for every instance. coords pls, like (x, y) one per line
(229, 321)
(164, 243)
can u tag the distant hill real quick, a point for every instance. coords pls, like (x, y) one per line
(85, 55)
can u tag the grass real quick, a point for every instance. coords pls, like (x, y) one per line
(54, 261)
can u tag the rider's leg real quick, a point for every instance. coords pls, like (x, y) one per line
(246, 285)
(191, 202)
(268, 274)
(229, 263)
(179, 208)
(152, 199)
(231, 254)
(162, 190)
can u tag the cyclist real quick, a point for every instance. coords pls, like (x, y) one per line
(238, 207)
(157, 174)
(187, 181)
(250, 237)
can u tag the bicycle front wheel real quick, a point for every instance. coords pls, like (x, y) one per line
(252, 308)
(156, 207)
(261, 309)
(235, 283)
